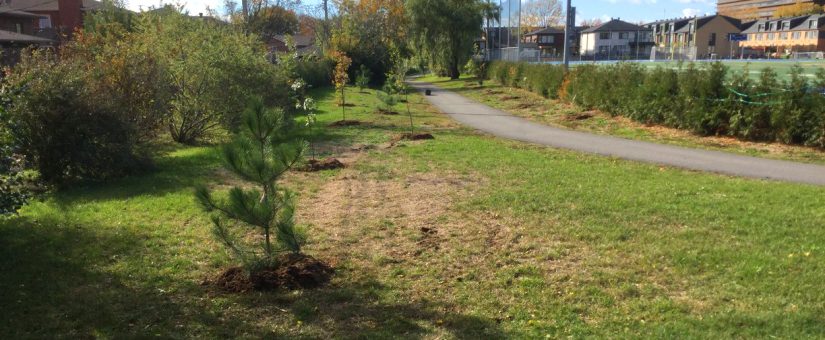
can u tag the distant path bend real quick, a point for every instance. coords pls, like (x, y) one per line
(505, 125)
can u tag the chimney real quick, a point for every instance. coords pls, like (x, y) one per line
(69, 15)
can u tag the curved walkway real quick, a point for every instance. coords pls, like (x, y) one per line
(502, 124)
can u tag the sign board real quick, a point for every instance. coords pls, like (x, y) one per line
(737, 37)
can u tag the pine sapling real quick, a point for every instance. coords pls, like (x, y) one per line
(260, 155)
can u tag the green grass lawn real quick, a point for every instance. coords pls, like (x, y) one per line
(464, 236)
(526, 104)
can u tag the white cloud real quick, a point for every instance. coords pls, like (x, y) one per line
(691, 12)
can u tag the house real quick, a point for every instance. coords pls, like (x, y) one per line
(784, 36)
(756, 9)
(304, 44)
(695, 37)
(615, 39)
(57, 17)
(548, 41)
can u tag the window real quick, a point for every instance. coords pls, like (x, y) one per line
(712, 41)
(761, 27)
(773, 27)
(812, 24)
(45, 22)
(810, 34)
(797, 35)
(623, 35)
(770, 36)
(547, 39)
(604, 36)
(786, 25)
(783, 35)
(18, 27)
(758, 36)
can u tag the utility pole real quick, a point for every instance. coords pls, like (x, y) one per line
(518, 34)
(568, 30)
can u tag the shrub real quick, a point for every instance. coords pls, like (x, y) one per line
(259, 156)
(317, 72)
(66, 130)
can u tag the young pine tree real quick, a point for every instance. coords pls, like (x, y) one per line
(259, 154)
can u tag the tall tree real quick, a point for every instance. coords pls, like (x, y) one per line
(445, 30)
(274, 20)
(542, 13)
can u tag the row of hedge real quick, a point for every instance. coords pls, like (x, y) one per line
(707, 99)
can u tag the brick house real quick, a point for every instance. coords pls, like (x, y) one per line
(56, 17)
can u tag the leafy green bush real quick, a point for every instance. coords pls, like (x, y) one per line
(317, 72)
(66, 130)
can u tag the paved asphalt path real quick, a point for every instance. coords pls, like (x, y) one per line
(502, 124)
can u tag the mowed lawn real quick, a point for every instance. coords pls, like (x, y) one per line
(464, 236)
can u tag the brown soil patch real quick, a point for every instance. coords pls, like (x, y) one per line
(346, 105)
(341, 123)
(580, 116)
(411, 137)
(388, 113)
(509, 97)
(525, 106)
(319, 165)
(294, 272)
(492, 92)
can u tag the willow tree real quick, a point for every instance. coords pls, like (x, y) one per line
(445, 30)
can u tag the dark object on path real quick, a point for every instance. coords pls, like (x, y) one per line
(345, 123)
(326, 164)
(428, 92)
(294, 272)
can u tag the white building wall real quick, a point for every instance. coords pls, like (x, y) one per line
(592, 43)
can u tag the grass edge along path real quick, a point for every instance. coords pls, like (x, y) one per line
(526, 104)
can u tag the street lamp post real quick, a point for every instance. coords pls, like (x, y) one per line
(567, 33)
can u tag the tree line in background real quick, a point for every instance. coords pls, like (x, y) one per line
(707, 100)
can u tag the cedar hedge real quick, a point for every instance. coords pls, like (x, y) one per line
(706, 99)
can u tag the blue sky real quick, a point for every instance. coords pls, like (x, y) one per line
(628, 10)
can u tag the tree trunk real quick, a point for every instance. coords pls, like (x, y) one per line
(454, 72)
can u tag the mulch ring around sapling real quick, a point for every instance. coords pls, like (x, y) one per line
(387, 112)
(341, 123)
(319, 165)
(295, 271)
(412, 137)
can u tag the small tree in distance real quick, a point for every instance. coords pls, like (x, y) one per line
(258, 155)
(340, 78)
(363, 78)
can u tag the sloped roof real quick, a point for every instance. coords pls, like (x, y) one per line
(19, 14)
(547, 30)
(615, 25)
(43, 5)
(14, 37)
(799, 23)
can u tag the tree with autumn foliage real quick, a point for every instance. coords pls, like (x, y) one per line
(371, 32)
(341, 78)
(797, 9)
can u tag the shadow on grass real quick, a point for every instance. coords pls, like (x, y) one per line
(61, 280)
(357, 310)
(55, 283)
